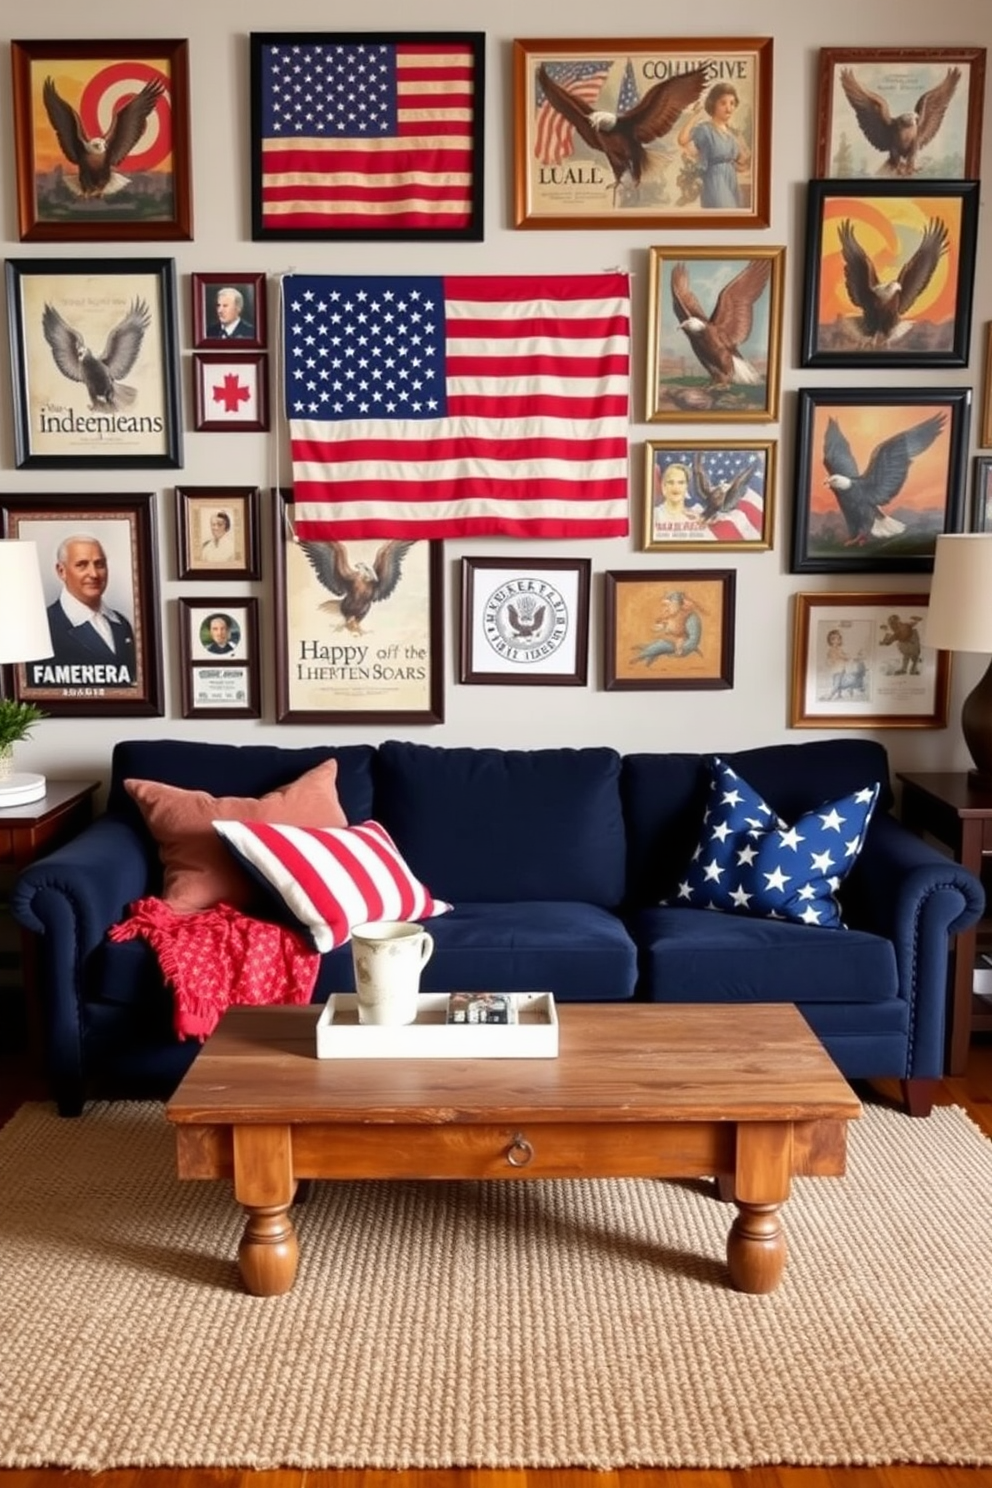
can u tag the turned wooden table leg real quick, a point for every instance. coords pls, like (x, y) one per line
(269, 1251)
(264, 1185)
(756, 1248)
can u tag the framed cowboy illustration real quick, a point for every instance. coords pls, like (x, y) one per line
(217, 532)
(100, 579)
(388, 144)
(219, 658)
(714, 334)
(229, 307)
(900, 112)
(859, 661)
(669, 628)
(359, 628)
(102, 140)
(699, 493)
(94, 369)
(879, 473)
(525, 621)
(890, 267)
(230, 392)
(642, 133)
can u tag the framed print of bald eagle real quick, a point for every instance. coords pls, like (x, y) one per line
(890, 268)
(101, 139)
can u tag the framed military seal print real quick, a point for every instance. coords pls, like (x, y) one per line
(525, 621)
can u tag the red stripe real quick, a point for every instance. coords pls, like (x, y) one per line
(409, 492)
(513, 289)
(351, 157)
(557, 364)
(592, 326)
(459, 447)
(530, 405)
(326, 191)
(335, 527)
(340, 218)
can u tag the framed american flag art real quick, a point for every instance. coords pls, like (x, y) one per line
(375, 135)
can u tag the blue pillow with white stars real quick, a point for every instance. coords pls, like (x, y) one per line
(749, 861)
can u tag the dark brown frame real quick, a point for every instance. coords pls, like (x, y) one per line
(200, 286)
(334, 633)
(109, 223)
(488, 608)
(27, 516)
(247, 664)
(985, 428)
(676, 671)
(981, 494)
(203, 362)
(245, 501)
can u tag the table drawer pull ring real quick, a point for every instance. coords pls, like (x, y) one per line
(519, 1152)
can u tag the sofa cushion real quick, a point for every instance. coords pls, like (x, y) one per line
(198, 872)
(330, 879)
(501, 826)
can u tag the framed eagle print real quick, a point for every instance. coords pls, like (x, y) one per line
(94, 366)
(642, 133)
(900, 112)
(102, 141)
(890, 267)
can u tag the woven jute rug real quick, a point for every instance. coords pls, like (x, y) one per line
(534, 1324)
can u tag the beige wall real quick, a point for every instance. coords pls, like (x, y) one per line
(755, 711)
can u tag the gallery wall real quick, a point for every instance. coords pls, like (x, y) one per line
(756, 709)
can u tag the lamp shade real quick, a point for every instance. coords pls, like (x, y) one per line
(24, 632)
(959, 617)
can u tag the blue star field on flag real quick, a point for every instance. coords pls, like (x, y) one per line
(320, 89)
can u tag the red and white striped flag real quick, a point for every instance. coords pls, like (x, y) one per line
(458, 407)
(553, 134)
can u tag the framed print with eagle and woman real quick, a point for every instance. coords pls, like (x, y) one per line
(642, 133)
(102, 140)
(94, 364)
(359, 628)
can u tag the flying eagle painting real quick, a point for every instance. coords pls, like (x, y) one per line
(95, 158)
(861, 495)
(103, 374)
(356, 586)
(717, 338)
(720, 496)
(902, 136)
(883, 305)
(623, 137)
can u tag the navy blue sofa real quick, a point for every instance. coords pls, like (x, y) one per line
(555, 861)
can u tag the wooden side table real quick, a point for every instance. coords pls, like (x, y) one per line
(958, 812)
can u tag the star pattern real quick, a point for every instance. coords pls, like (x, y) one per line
(749, 861)
(320, 90)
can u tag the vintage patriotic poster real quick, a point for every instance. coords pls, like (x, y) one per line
(367, 135)
(464, 406)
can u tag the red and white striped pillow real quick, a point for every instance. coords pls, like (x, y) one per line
(331, 878)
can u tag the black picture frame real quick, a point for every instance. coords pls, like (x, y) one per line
(918, 233)
(356, 204)
(823, 539)
(59, 423)
(525, 621)
(218, 685)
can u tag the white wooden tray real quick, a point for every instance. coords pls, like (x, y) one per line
(533, 1036)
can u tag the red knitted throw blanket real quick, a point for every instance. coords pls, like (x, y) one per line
(218, 957)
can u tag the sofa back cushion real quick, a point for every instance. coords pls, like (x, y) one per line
(495, 825)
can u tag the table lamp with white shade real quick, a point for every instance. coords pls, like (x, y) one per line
(959, 618)
(24, 636)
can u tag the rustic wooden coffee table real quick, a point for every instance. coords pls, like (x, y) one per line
(746, 1094)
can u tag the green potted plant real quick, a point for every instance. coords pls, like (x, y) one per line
(16, 722)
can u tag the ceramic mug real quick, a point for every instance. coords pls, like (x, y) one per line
(388, 957)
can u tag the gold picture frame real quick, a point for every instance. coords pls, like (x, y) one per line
(709, 494)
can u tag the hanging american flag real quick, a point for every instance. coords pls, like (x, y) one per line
(367, 135)
(553, 133)
(458, 407)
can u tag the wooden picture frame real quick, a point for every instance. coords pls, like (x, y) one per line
(701, 374)
(346, 660)
(858, 661)
(230, 392)
(707, 167)
(97, 411)
(981, 495)
(132, 94)
(219, 657)
(217, 532)
(229, 307)
(707, 493)
(93, 672)
(316, 169)
(886, 82)
(669, 629)
(873, 528)
(525, 621)
(916, 240)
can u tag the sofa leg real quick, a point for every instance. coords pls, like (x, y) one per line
(918, 1096)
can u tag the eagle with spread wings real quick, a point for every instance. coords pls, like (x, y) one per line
(900, 136)
(717, 338)
(101, 374)
(95, 157)
(882, 306)
(356, 586)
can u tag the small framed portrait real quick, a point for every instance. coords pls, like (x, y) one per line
(669, 628)
(230, 392)
(890, 268)
(525, 621)
(219, 658)
(642, 133)
(217, 532)
(229, 307)
(981, 495)
(702, 492)
(99, 569)
(879, 473)
(858, 661)
(900, 112)
(102, 140)
(714, 334)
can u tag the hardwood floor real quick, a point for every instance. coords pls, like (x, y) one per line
(972, 1091)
